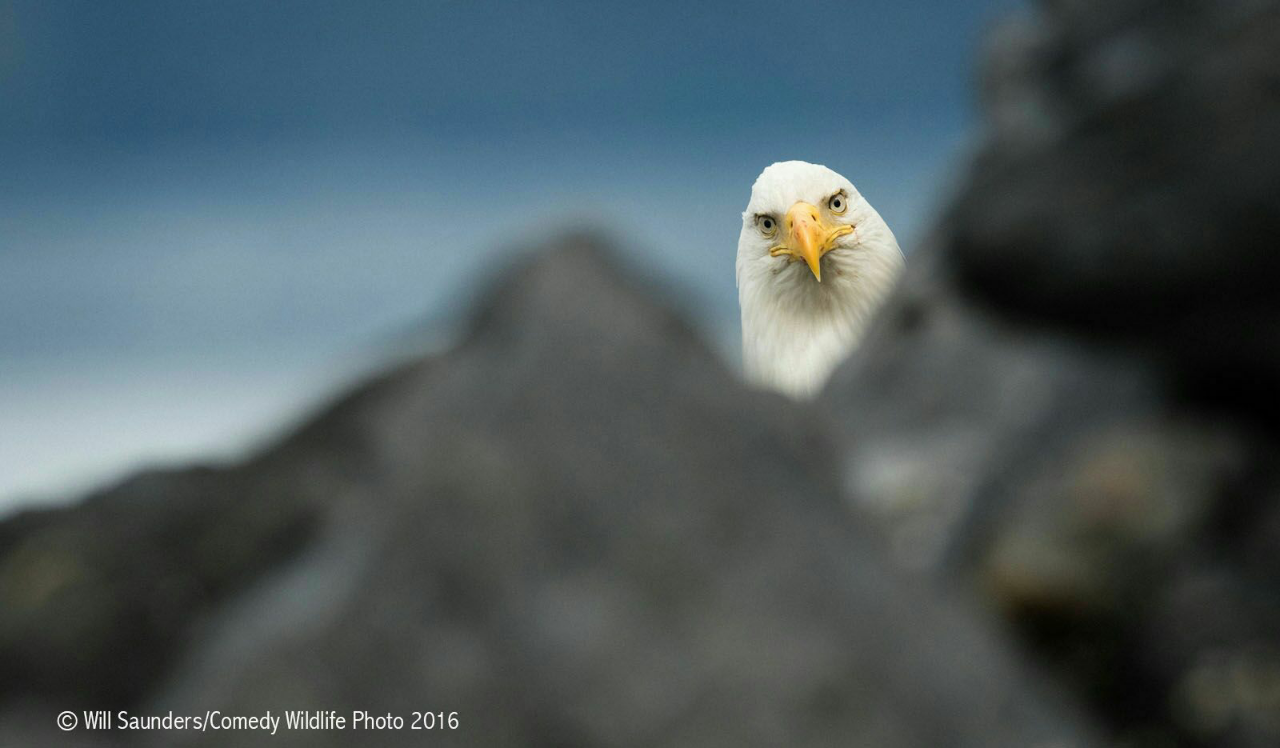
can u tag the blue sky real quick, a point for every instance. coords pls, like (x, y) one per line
(212, 214)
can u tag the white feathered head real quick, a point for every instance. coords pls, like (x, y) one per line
(815, 261)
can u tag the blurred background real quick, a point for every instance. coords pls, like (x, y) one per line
(213, 213)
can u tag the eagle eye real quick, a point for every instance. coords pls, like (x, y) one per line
(768, 226)
(838, 203)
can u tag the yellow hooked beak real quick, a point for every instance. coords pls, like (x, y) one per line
(808, 237)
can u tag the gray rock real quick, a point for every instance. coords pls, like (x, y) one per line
(1129, 184)
(1068, 407)
(577, 528)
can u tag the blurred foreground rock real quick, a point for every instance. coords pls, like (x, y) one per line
(1071, 403)
(576, 529)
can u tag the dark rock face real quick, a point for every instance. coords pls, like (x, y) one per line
(1069, 405)
(1129, 184)
(575, 529)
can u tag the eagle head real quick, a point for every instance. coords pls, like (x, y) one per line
(815, 261)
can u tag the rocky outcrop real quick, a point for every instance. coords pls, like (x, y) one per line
(1069, 404)
(577, 528)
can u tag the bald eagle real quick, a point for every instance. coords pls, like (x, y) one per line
(815, 262)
